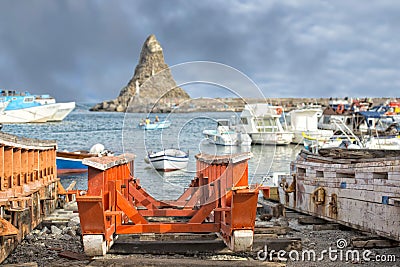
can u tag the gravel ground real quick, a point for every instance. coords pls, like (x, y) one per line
(44, 246)
(341, 249)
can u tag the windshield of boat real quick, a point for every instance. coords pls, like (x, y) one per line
(223, 123)
(266, 124)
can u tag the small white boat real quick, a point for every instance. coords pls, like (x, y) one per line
(155, 125)
(168, 159)
(225, 136)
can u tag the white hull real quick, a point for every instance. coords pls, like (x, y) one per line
(320, 135)
(227, 139)
(63, 110)
(384, 143)
(283, 138)
(169, 164)
(169, 160)
(32, 114)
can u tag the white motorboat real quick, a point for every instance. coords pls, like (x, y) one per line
(304, 121)
(225, 136)
(168, 159)
(262, 122)
(22, 107)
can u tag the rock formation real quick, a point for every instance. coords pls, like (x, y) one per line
(152, 87)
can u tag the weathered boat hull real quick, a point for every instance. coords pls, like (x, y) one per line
(362, 193)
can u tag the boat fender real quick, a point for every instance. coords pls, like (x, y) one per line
(340, 109)
(318, 196)
(333, 209)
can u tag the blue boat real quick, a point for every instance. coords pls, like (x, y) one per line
(155, 125)
(71, 162)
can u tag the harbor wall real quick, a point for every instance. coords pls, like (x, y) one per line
(167, 105)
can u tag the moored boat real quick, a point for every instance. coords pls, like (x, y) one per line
(71, 162)
(168, 159)
(23, 107)
(155, 125)
(262, 122)
(225, 136)
(304, 121)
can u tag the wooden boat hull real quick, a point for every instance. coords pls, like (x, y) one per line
(70, 162)
(65, 165)
(359, 192)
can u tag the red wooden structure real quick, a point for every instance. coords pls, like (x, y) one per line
(219, 199)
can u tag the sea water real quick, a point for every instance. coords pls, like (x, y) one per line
(119, 133)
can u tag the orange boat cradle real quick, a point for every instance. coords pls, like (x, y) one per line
(219, 199)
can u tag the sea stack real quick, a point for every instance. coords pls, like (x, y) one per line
(152, 87)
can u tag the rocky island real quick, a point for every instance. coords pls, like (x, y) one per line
(152, 87)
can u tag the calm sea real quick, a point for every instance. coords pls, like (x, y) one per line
(119, 133)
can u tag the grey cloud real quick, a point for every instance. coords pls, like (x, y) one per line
(87, 50)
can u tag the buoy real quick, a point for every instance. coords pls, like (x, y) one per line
(340, 109)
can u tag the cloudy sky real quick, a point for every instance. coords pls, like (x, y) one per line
(87, 50)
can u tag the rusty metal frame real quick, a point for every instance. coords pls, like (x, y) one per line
(218, 199)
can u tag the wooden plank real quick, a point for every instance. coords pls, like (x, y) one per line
(310, 220)
(2, 178)
(8, 167)
(26, 264)
(73, 256)
(328, 226)
(374, 243)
